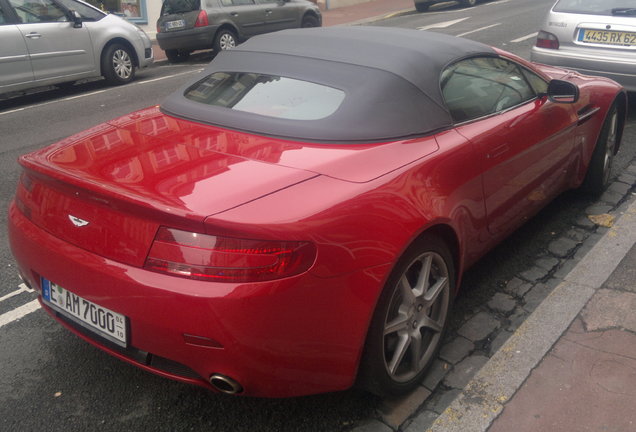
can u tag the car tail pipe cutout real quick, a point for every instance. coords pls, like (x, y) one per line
(225, 384)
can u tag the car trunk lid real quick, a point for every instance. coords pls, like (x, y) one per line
(178, 15)
(108, 189)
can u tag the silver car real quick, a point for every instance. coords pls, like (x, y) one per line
(47, 42)
(188, 25)
(596, 37)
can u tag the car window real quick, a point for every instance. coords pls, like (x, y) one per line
(242, 2)
(597, 7)
(539, 85)
(267, 95)
(179, 6)
(2, 17)
(37, 11)
(481, 86)
(86, 12)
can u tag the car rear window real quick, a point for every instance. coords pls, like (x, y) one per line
(179, 6)
(605, 7)
(267, 95)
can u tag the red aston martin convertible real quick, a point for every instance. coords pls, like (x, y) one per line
(297, 218)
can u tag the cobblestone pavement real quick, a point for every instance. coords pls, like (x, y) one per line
(488, 327)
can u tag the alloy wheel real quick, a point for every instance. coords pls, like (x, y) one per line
(416, 317)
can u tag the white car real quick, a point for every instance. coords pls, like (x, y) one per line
(48, 42)
(595, 37)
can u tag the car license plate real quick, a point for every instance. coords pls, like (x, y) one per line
(92, 316)
(171, 25)
(607, 37)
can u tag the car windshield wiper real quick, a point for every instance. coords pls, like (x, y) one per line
(624, 11)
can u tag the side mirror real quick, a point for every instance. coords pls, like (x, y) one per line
(560, 91)
(75, 18)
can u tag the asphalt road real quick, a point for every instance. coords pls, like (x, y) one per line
(52, 380)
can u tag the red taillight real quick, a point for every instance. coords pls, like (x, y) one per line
(224, 259)
(202, 19)
(547, 40)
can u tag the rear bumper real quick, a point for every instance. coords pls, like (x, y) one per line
(283, 338)
(621, 70)
(190, 40)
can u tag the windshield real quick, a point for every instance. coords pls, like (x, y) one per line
(179, 6)
(598, 7)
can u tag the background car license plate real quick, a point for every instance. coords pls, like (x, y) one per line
(171, 25)
(102, 321)
(607, 37)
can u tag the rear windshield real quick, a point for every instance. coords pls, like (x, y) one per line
(267, 95)
(598, 7)
(179, 6)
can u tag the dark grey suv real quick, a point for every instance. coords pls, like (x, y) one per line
(188, 25)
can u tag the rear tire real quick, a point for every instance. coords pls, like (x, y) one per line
(118, 66)
(410, 319)
(177, 56)
(600, 169)
(225, 39)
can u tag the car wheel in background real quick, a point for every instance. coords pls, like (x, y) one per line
(177, 56)
(600, 168)
(410, 319)
(422, 7)
(309, 21)
(117, 64)
(469, 3)
(225, 39)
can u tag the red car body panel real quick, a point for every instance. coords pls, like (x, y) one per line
(360, 205)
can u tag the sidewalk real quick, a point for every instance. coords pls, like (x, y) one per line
(356, 14)
(587, 382)
(572, 365)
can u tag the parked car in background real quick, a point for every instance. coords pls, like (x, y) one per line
(595, 37)
(47, 42)
(280, 227)
(423, 5)
(189, 25)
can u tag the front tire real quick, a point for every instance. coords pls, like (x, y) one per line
(410, 319)
(600, 168)
(309, 21)
(118, 66)
(225, 39)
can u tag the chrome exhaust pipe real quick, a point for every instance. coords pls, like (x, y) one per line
(225, 384)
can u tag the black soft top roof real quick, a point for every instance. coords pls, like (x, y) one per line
(390, 77)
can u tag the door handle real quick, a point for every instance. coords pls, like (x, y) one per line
(234, 14)
(268, 11)
(34, 35)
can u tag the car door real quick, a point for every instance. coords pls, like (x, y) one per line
(56, 47)
(525, 142)
(15, 65)
(247, 15)
(280, 15)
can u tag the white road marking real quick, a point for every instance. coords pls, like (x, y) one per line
(97, 92)
(526, 37)
(444, 24)
(21, 288)
(19, 312)
(478, 30)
